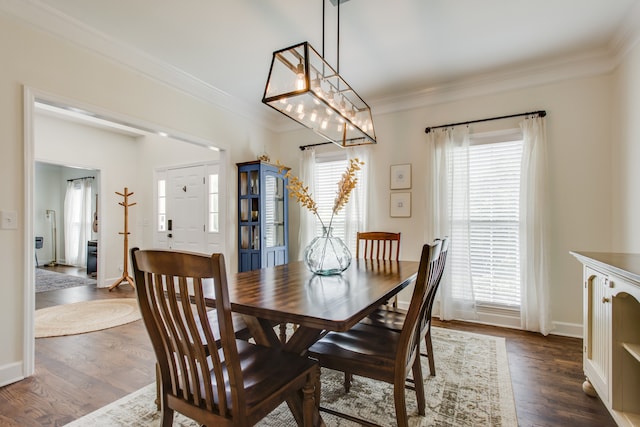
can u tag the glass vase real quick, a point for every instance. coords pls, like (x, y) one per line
(327, 254)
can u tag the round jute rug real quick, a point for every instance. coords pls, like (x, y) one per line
(87, 316)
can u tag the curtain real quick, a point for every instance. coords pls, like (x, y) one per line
(307, 220)
(450, 216)
(77, 221)
(356, 210)
(534, 264)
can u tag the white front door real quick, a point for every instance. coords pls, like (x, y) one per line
(186, 191)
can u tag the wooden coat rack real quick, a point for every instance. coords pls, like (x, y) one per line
(125, 273)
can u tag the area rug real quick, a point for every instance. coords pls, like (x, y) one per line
(86, 316)
(472, 387)
(47, 280)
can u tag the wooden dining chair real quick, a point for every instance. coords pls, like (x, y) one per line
(378, 245)
(384, 354)
(235, 384)
(393, 318)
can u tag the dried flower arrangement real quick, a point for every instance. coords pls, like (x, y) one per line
(346, 185)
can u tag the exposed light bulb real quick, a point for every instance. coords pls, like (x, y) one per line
(300, 108)
(324, 124)
(300, 73)
(314, 116)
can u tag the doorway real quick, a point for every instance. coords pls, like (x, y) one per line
(128, 131)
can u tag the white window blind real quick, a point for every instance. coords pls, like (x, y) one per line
(327, 175)
(494, 188)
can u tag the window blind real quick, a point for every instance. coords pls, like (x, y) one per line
(494, 190)
(327, 176)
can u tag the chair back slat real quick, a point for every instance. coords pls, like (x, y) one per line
(170, 293)
(410, 337)
(380, 245)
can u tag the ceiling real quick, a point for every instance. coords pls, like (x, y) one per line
(389, 49)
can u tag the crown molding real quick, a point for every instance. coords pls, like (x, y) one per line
(585, 65)
(44, 18)
(627, 35)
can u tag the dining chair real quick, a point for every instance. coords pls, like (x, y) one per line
(378, 245)
(212, 376)
(393, 318)
(384, 354)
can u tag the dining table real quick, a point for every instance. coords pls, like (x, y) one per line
(315, 304)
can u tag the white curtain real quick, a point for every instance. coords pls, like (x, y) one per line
(77, 221)
(450, 215)
(356, 210)
(307, 219)
(534, 264)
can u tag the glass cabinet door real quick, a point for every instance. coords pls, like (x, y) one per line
(274, 211)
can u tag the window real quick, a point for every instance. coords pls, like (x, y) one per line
(162, 205)
(214, 210)
(328, 174)
(350, 219)
(494, 220)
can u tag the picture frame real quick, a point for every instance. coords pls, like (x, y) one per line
(400, 205)
(400, 176)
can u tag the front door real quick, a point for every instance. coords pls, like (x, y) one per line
(186, 193)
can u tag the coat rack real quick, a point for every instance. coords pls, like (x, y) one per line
(125, 273)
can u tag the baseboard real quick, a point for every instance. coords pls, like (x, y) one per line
(11, 373)
(565, 329)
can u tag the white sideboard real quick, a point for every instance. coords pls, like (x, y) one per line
(611, 325)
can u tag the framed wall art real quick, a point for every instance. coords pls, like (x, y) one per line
(401, 176)
(400, 205)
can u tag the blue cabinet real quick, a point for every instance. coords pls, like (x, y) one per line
(263, 219)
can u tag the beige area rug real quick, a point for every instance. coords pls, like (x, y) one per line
(472, 388)
(87, 316)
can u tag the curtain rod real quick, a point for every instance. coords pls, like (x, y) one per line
(540, 113)
(304, 147)
(84, 177)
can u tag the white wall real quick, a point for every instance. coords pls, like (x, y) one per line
(626, 154)
(579, 151)
(34, 59)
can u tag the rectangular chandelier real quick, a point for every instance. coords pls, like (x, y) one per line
(304, 87)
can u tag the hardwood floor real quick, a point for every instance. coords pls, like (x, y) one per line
(78, 374)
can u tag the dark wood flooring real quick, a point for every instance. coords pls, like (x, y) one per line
(78, 374)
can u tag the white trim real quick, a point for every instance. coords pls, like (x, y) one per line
(11, 373)
(504, 320)
(584, 65)
(567, 329)
(28, 356)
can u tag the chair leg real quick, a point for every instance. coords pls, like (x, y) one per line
(348, 376)
(308, 404)
(419, 386)
(166, 415)
(400, 404)
(429, 345)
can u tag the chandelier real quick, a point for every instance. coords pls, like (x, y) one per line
(305, 88)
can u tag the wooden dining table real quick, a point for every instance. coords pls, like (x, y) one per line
(291, 294)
